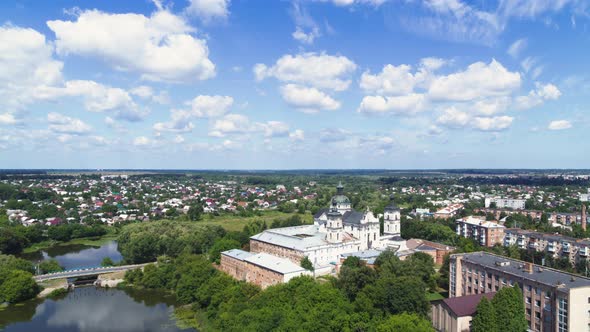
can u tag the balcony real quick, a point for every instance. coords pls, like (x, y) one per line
(583, 251)
(565, 248)
(533, 245)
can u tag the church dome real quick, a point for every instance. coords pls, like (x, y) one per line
(340, 198)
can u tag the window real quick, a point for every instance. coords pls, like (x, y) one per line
(537, 303)
(562, 314)
(537, 315)
(528, 312)
(530, 288)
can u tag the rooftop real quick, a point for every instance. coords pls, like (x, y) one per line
(273, 263)
(541, 274)
(237, 254)
(480, 222)
(296, 237)
(466, 305)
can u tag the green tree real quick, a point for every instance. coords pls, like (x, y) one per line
(485, 317)
(9, 262)
(395, 295)
(405, 322)
(50, 266)
(220, 246)
(509, 309)
(17, 286)
(11, 242)
(352, 280)
(107, 261)
(307, 264)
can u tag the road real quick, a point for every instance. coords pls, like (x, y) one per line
(87, 272)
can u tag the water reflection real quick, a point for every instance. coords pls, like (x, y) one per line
(77, 255)
(91, 309)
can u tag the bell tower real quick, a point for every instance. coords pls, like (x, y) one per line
(392, 219)
(334, 225)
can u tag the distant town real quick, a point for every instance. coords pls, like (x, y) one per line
(478, 233)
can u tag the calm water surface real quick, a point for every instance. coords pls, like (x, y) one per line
(77, 255)
(90, 309)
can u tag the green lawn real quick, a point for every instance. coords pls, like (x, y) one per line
(237, 223)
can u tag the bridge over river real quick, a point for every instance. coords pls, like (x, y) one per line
(85, 272)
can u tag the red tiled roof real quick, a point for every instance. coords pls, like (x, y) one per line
(466, 305)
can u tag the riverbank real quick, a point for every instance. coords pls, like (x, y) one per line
(50, 286)
(88, 241)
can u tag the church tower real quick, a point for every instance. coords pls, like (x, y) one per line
(340, 201)
(334, 225)
(392, 219)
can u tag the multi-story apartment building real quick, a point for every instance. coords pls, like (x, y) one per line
(486, 233)
(552, 217)
(534, 214)
(501, 203)
(558, 246)
(554, 300)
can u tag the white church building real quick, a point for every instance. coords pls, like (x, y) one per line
(337, 231)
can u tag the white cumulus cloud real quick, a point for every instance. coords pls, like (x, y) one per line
(308, 100)
(159, 47)
(559, 125)
(321, 71)
(538, 96)
(62, 124)
(477, 81)
(495, 123)
(407, 104)
(204, 106)
(207, 10)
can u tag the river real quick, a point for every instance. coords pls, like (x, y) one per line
(76, 255)
(91, 309)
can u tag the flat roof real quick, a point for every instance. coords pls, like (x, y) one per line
(237, 254)
(479, 222)
(296, 237)
(274, 263)
(541, 274)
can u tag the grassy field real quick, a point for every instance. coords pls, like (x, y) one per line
(237, 223)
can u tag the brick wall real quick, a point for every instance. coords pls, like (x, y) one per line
(290, 254)
(234, 267)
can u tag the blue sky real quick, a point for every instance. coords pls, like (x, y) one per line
(235, 84)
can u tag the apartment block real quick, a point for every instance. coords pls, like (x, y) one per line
(558, 246)
(553, 300)
(486, 233)
(501, 203)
